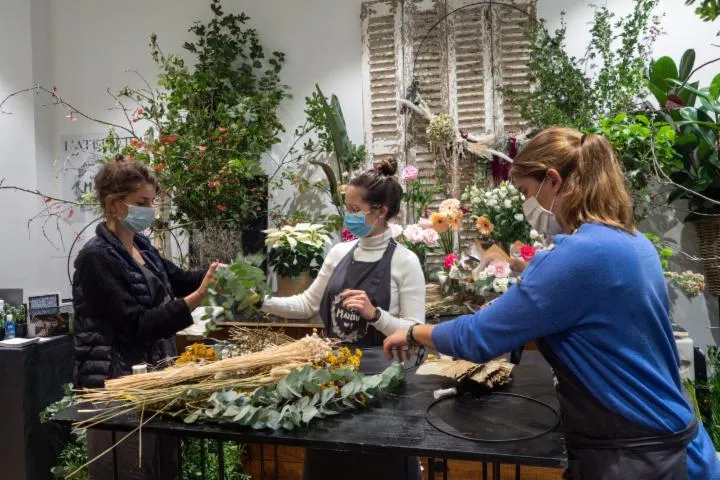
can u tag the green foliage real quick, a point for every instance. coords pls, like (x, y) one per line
(697, 130)
(419, 196)
(664, 253)
(634, 139)
(234, 454)
(708, 10)
(212, 123)
(605, 81)
(323, 135)
(19, 315)
(239, 287)
(706, 396)
(305, 394)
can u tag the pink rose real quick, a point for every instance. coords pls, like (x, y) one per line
(410, 173)
(449, 261)
(425, 223)
(396, 229)
(501, 269)
(431, 237)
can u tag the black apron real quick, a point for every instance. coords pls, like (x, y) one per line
(348, 325)
(374, 279)
(603, 445)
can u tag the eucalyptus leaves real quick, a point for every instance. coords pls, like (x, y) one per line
(305, 394)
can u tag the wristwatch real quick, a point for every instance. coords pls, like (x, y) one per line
(410, 339)
(376, 317)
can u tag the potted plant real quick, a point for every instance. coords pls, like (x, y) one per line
(696, 172)
(20, 317)
(296, 254)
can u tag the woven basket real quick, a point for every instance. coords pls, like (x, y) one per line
(708, 232)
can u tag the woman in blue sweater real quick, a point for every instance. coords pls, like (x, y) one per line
(598, 307)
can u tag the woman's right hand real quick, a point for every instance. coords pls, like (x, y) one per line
(195, 299)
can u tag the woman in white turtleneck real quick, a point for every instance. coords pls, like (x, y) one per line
(366, 290)
(398, 301)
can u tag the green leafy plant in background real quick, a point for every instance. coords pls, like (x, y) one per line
(697, 175)
(324, 144)
(708, 10)
(637, 141)
(192, 458)
(211, 123)
(607, 80)
(706, 397)
(692, 284)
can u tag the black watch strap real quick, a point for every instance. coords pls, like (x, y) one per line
(410, 337)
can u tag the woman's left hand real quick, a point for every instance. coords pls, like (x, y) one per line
(358, 300)
(396, 343)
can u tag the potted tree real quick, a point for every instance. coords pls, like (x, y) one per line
(296, 254)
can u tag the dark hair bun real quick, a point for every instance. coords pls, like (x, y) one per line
(119, 158)
(388, 167)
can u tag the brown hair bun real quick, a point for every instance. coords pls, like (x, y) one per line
(388, 167)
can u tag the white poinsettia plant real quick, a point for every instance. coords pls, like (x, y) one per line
(502, 206)
(298, 249)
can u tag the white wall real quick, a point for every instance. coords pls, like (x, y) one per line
(86, 46)
(27, 259)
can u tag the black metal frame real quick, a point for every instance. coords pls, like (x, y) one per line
(434, 464)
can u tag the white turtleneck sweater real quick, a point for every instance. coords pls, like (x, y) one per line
(407, 285)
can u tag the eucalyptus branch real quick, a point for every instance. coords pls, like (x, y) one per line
(58, 100)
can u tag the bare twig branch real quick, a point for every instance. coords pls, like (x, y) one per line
(58, 100)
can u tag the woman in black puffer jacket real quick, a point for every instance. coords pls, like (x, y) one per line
(129, 303)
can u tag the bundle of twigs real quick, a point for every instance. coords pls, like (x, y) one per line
(174, 389)
(456, 304)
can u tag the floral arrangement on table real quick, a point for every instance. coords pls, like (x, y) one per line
(447, 222)
(283, 386)
(497, 277)
(498, 214)
(294, 250)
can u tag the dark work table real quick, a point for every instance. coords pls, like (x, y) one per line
(31, 378)
(396, 423)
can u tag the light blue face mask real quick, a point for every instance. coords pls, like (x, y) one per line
(138, 218)
(355, 223)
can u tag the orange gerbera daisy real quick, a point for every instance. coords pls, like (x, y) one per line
(440, 222)
(456, 219)
(484, 226)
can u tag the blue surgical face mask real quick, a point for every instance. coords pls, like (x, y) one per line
(138, 218)
(355, 223)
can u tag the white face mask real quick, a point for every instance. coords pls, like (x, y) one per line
(541, 219)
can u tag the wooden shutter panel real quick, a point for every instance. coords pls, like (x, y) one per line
(513, 48)
(382, 78)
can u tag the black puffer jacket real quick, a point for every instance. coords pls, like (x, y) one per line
(124, 316)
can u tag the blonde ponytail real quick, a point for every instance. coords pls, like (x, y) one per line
(593, 182)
